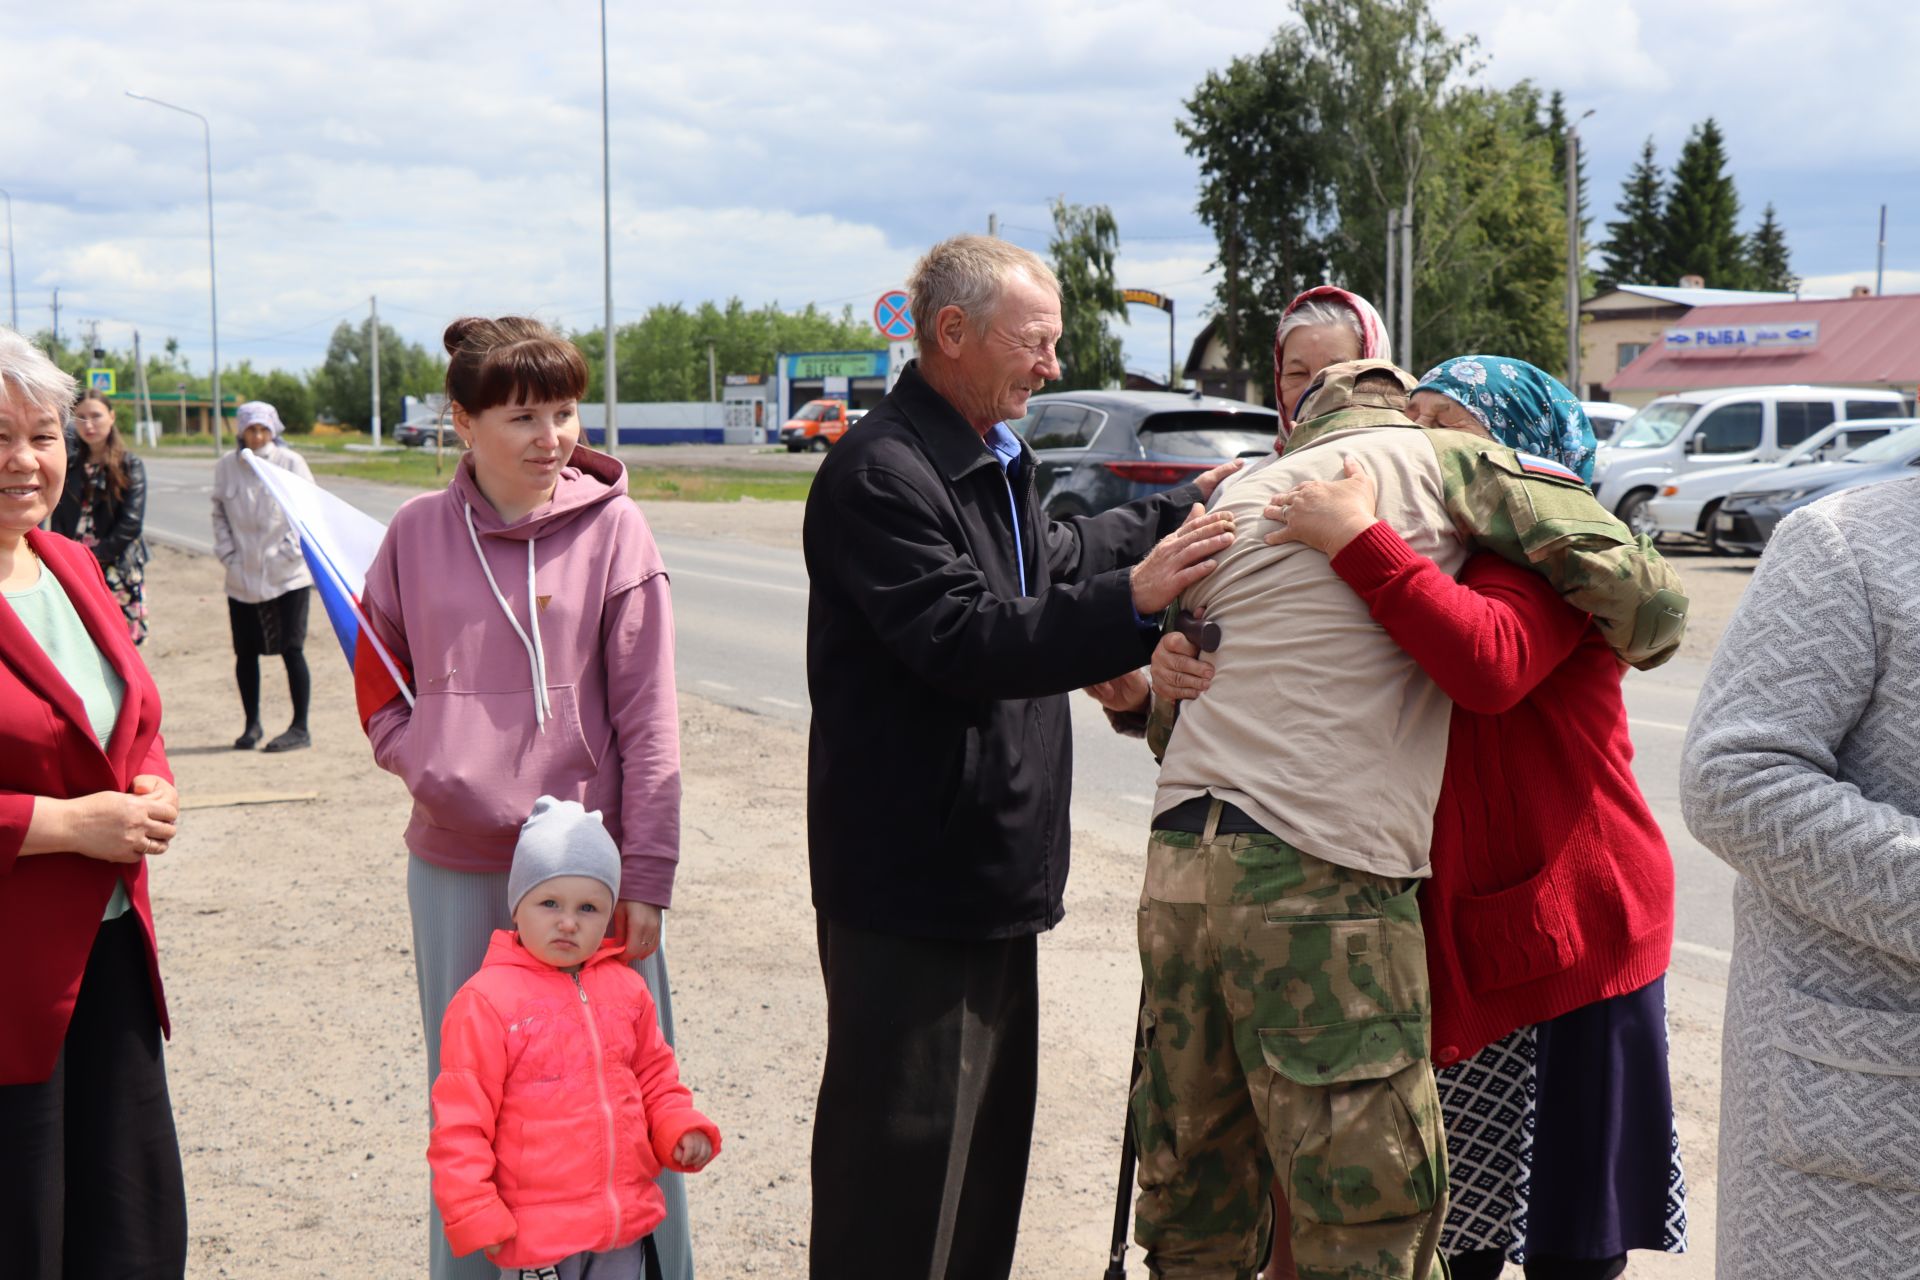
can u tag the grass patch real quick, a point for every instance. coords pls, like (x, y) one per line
(646, 484)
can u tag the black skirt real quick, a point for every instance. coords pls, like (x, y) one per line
(271, 627)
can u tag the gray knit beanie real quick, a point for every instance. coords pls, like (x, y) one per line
(561, 838)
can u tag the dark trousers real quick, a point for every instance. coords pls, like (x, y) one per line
(90, 1179)
(925, 1117)
(277, 626)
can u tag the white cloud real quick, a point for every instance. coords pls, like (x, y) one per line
(447, 156)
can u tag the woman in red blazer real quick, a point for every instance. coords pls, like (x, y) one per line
(90, 1178)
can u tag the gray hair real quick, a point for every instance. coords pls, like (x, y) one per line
(1321, 313)
(969, 272)
(26, 373)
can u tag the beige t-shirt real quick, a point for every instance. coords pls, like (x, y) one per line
(1317, 724)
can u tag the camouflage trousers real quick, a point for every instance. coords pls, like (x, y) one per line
(1284, 1026)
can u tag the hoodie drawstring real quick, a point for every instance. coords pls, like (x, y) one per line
(536, 654)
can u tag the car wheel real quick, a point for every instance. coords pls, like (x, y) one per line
(818, 445)
(1714, 545)
(1633, 513)
(793, 446)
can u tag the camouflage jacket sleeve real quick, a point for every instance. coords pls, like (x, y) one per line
(1553, 525)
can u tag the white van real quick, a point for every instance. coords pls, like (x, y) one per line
(1695, 430)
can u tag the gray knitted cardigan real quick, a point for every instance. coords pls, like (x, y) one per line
(1802, 771)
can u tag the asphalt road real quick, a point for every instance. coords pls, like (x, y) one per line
(740, 612)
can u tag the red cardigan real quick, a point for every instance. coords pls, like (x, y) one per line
(50, 905)
(1552, 883)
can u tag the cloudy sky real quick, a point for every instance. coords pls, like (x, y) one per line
(447, 156)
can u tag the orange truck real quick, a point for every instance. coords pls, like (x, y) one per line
(818, 425)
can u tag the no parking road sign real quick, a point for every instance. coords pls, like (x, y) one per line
(893, 316)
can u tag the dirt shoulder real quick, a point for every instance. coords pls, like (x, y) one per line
(297, 1063)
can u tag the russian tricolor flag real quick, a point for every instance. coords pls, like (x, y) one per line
(339, 541)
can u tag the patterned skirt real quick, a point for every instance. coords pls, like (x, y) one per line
(128, 582)
(1561, 1141)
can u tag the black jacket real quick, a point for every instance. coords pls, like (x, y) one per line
(941, 751)
(116, 525)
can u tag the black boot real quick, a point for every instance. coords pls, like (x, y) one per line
(251, 738)
(293, 739)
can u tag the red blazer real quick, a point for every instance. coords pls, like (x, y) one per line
(1552, 884)
(50, 904)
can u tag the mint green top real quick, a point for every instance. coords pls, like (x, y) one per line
(51, 619)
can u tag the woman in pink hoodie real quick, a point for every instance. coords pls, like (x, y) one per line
(528, 609)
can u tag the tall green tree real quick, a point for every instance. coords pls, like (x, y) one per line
(1632, 252)
(343, 384)
(1408, 120)
(1771, 261)
(1085, 240)
(1700, 224)
(1556, 126)
(1263, 194)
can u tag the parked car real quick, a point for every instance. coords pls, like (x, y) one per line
(818, 425)
(1098, 449)
(421, 432)
(1696, 430)
(1687, 503)
(1747, 518)
(1607, 417)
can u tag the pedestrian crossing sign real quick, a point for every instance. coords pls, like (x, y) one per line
(101, 380)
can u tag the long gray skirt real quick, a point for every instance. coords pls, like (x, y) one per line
(454, 915)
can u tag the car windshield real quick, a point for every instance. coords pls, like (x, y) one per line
(1888, 448)
(1203, 434)
(811, 412)
(1655, 425)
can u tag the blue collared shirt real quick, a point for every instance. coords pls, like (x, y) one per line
(1005, 447)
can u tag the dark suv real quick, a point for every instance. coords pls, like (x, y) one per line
(1098, 449)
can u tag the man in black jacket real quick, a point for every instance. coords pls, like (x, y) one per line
(948, 619)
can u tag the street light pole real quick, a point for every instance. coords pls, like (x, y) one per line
(606, 238)
(1573, 255)
(213, 287)
(13, 301)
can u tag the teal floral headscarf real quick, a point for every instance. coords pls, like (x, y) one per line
(1522, 406)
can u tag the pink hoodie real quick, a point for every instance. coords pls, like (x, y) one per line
(485, 738)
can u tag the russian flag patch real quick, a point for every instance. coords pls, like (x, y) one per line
(1533, 464)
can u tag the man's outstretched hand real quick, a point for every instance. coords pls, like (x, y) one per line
(1181, 558)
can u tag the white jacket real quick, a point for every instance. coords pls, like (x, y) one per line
(251, 534)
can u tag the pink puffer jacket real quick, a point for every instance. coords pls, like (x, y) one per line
(558, 1103)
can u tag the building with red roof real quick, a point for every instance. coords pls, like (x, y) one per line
(1833, 342)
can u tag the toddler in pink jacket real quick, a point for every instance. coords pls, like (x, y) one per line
(558, 1101)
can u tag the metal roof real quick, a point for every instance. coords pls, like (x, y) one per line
(1703, 297)
(1862, 341)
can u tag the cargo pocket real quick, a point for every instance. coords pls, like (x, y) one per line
(1368, 1148)
(1515, 936)
(1843, 1092)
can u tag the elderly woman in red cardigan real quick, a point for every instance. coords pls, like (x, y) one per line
(90, 1179)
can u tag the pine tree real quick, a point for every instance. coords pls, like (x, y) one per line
(1767, 251)
(1556, 129)
(1630, 255)
(1700, 223)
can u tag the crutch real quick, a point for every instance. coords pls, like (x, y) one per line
(1123, 1196)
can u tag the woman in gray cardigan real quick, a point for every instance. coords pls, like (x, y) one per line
(1802, 771)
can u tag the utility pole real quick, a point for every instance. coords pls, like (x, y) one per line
(606, 240)
(56, 315)
(713, 381)
(993, 225)
(373, 346)
(1880, 271)
(143, 400)
(1391, 302)
(1406, 284)
(1173, 367)
(1573, 255)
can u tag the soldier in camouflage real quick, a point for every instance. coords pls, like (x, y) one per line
(1284, 1024)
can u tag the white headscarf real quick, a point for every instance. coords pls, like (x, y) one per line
(259, 413)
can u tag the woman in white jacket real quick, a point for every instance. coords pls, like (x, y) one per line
(267, 580)
(1799, 771)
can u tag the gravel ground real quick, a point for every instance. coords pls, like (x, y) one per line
(297, 1063)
